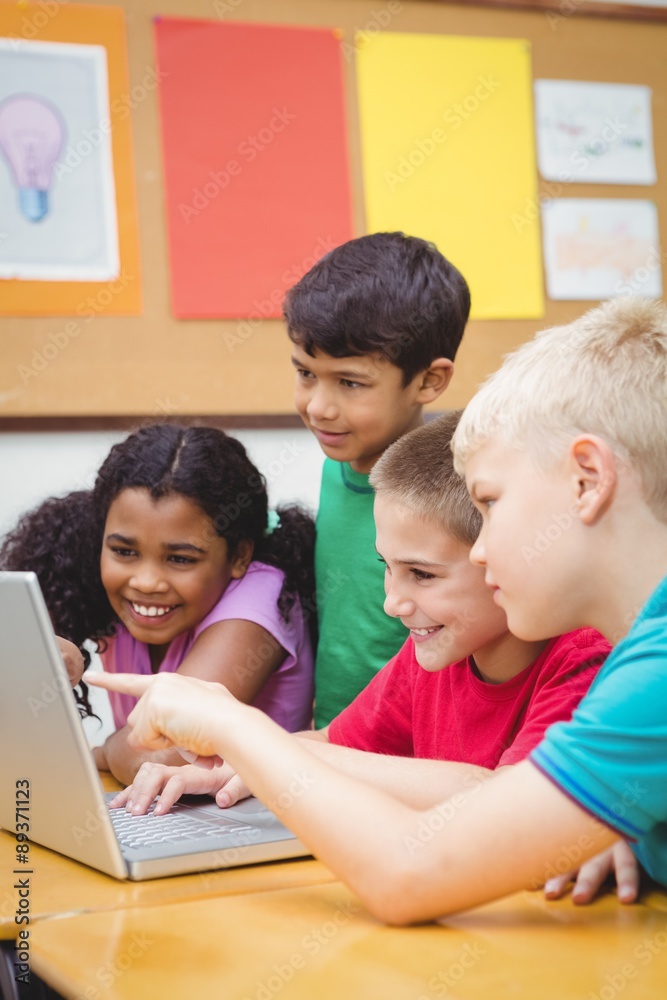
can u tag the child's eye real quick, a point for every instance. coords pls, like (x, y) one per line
(122, 552)
(483, 503)
(347, 384)
(182, 560)
(304, 373)
(419, 574)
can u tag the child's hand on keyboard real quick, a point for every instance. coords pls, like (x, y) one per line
(170, 783)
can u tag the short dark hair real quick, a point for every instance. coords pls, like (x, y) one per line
(418, 472)
(387, 294)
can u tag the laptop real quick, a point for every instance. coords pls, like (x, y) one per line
(51, 783)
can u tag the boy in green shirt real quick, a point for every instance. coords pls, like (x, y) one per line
(375, 326)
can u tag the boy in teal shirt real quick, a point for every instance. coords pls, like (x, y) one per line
(375, 326)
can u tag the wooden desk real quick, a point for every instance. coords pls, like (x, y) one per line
(317, 941)
(60, 886)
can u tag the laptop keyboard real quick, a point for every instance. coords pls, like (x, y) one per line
(145, 831)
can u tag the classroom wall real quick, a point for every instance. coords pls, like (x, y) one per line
(128, 365)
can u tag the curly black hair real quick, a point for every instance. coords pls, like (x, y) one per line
(57, 541)
(61, 540)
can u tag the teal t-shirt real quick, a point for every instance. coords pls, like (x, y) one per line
(611, 757)
(356, 637)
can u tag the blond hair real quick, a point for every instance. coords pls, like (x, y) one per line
(418, 472)
(604, 374)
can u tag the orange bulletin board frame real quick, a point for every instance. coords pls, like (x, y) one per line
(86, 25)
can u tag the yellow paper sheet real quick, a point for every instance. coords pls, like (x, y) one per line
(449, 155)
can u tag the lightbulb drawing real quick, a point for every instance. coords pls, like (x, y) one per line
(31, 137)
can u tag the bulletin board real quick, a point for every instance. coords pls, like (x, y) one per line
(152, 365)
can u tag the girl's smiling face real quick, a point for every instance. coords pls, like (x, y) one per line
(163, 565)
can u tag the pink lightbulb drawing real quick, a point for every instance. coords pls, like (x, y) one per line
(31, 137)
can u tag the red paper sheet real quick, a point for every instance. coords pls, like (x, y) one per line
(255, 151)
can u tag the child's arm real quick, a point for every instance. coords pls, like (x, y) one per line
(407, 865)
(418, 783)
(237, 653)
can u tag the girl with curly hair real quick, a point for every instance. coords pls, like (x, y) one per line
(168, 564)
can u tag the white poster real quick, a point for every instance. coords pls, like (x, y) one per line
(594, 133)
(57, 194)
(600, 248)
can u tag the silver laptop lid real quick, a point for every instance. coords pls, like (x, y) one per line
(49, 778)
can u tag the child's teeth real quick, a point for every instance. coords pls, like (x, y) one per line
(151, 612)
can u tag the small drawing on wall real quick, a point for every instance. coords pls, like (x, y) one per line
(32, 132)
(597, 248)
(594, 133)
(59, 220)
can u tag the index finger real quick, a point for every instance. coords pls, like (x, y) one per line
(133, 684)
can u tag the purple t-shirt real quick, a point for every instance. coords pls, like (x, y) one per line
(287, 694)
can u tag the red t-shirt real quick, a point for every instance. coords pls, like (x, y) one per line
(452, 714)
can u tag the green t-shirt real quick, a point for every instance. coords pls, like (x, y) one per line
(356, 637)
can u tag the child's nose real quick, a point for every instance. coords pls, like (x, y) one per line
(321, 405)
(396, 603)
(148, 579)
(477, 553)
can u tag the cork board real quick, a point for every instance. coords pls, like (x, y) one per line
(154, 365)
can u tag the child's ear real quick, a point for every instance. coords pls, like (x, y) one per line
(593, 466)
(435, 380)
(241, 558)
